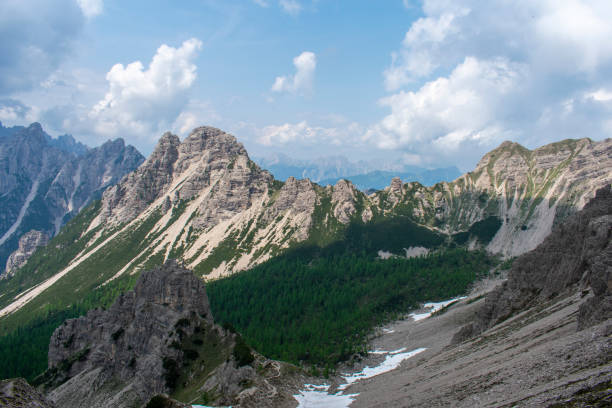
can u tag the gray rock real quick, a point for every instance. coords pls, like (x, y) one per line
(28, 244)
(119, 357)
(17, 393)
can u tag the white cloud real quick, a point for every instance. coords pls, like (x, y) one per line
(555, 35)
(601, 95)
(466, 106)
(469, 74)
(261, 3)
(91, 8)
(141, 101)
(416, 59)
(305, 65)
(292, 7)
(303, 134)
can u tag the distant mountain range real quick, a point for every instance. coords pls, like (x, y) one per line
(364, 175)
(45, 181)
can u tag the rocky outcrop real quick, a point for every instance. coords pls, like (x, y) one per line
(44, 181)
(28, 244)
(130, 352)
(17, 393)
(157, 340)
(576, 256)
(344, 200)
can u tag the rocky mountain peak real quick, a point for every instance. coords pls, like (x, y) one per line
(207, 158)
(344, 200)
(210, 146)
(34, 127)
(396, 186)
(165, 153)
(507, 151)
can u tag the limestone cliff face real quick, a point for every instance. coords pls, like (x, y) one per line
(529, 191)
(116, 357)
(576, 256)
(28, 244)
(210, 197)
(344, 198)
(138, 189)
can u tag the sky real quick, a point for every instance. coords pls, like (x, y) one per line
(431, 83)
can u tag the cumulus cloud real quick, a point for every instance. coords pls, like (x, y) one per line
(305, 65)
(303, 134)
(292, 7)
(140, 101)
(91, 8)
(470, 74)
(469, 104)
(35, 37)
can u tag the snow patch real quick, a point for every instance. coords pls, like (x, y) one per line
(433, 308)
(392, 361)
(318, 396)
(315, 396)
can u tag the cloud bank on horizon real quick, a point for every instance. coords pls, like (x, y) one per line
(461, 76)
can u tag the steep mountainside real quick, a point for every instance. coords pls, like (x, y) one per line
(44, 181)
(205, 202)
(577, 253)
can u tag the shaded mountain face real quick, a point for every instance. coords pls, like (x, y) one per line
(204, 202)
(44, 182)
(116, 357)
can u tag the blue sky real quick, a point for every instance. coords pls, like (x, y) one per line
(430, 83)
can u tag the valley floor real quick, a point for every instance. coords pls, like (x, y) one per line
(536, 358)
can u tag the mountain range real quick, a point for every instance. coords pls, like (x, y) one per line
(365, 175)
(45, 181)
(203, 202)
